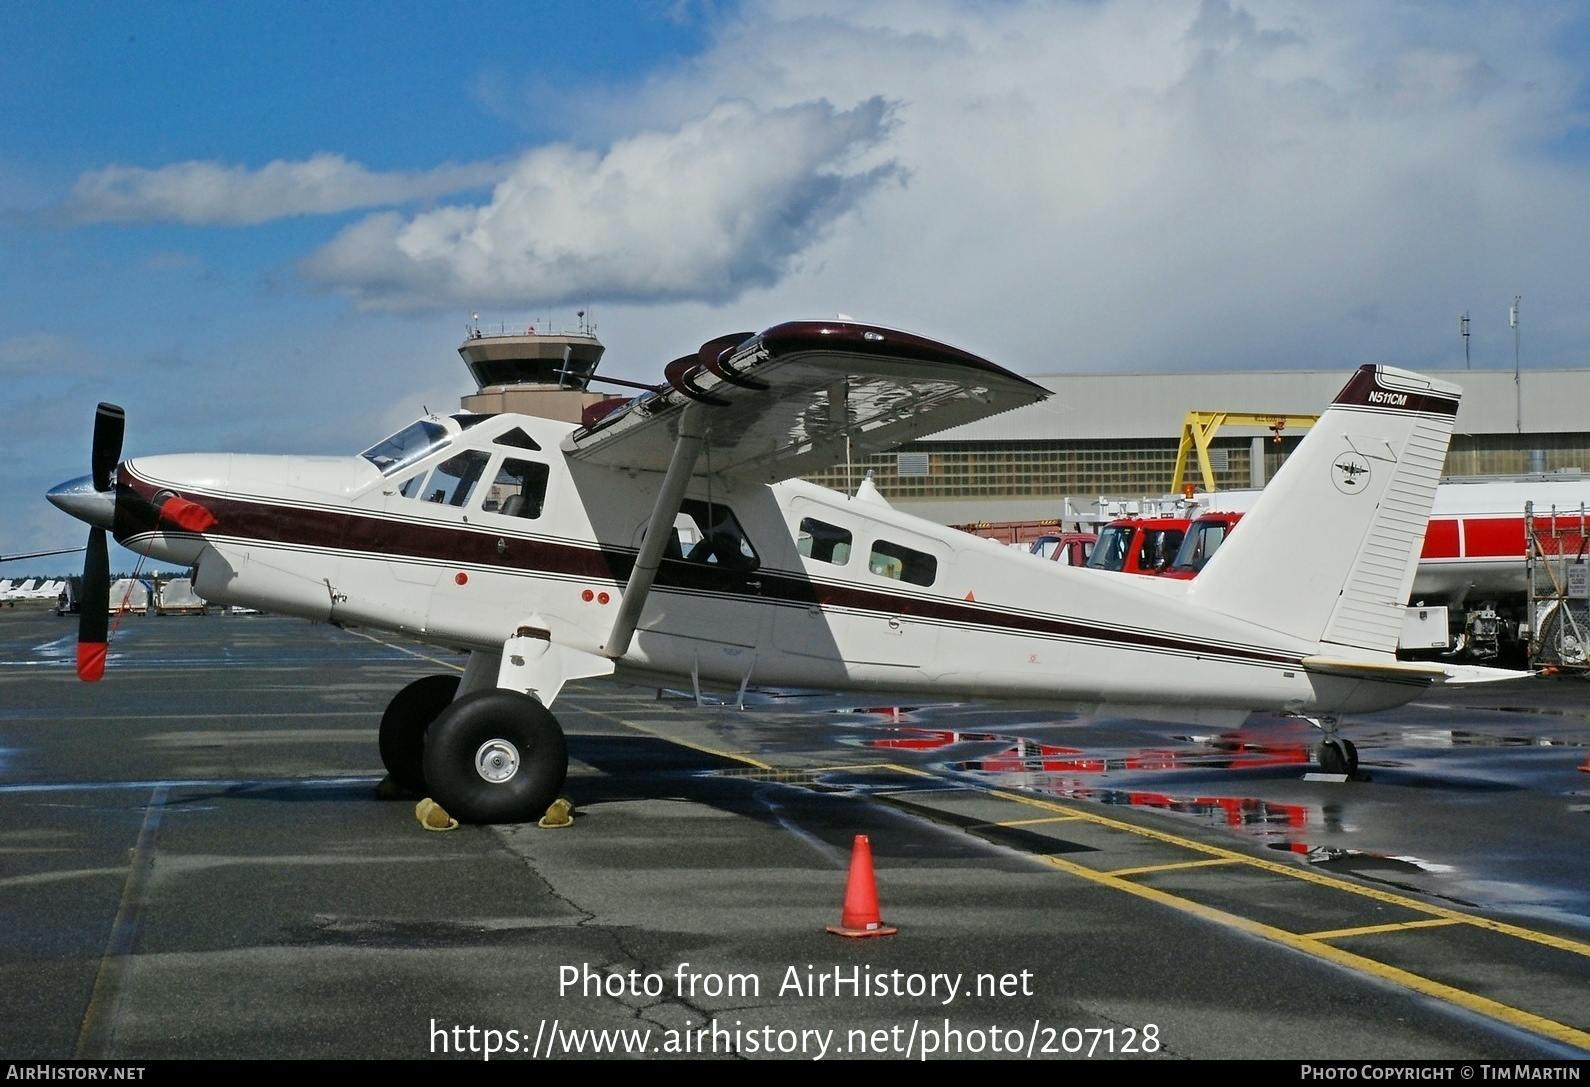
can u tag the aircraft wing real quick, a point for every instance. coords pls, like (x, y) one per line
(782, 403)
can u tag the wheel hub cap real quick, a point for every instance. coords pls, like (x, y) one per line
(497, 761)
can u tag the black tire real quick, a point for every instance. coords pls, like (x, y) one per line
(1560, 642)
(403, 728)
(1352, 756)
(1333, 757)
(495, 757)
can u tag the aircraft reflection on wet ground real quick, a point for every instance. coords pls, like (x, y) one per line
(1478, 803)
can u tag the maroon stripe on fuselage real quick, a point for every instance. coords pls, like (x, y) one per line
(348, 530)
(469, 545)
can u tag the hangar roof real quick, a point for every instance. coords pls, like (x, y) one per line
(1124, 406)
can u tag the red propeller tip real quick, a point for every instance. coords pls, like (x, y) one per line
(91, 661)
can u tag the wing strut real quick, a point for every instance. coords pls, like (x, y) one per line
(670, 498)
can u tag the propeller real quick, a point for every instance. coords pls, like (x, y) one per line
(93, 622)
(93, 499)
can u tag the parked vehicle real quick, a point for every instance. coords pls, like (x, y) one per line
(1069, 548)
(1204, 536)
(1135, 545)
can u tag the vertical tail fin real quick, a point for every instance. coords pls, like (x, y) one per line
(1328, 551)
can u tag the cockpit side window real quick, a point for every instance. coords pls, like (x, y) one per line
(411, 488)
(455, 478)
(712, 537)
(407, 446)
(518, 490)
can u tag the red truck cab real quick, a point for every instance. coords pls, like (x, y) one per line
(1139, 545)
(1205, 534)
(1066, 548)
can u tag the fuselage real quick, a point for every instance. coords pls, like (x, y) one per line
(494, 528)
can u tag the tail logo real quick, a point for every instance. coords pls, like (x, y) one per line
(1350, 473)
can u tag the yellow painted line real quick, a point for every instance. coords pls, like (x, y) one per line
(1371, 930)
(1119, 873)
(736, 756)
(1543, 938)
(404, 649)
(1034, 822)
(840, 768)
(1311, 946)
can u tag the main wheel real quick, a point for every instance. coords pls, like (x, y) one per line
(403, 727)
(495, 757)
(1333, 757)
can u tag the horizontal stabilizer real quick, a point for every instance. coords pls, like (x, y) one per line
(801, 397)
(1411, 671)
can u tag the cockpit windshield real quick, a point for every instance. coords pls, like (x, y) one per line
(407, 446)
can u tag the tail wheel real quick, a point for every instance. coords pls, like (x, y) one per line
(404, 724)
(495, 757)
(1338, 756)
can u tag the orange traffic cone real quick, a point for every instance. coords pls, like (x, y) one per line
(1586, 766)
(860, 916)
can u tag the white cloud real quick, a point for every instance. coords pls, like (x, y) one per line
(37, 353)
(717, 206)
(1167, 183)
(204, 193)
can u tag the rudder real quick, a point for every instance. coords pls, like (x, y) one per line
(1328, 551)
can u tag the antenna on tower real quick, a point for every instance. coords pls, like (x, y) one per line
(1463, 330)
(1518, 387)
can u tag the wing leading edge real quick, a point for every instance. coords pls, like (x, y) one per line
(782, 403)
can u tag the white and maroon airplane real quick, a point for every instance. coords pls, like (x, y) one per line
(669, 540)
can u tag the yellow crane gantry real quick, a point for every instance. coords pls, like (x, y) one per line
(1199, 428)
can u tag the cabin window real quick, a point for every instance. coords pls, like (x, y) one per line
(519, 489)
(902, 563)
(411, 488)
(406, 446)
(822, 541)
(709, 533)
(455, 478)
(517, 438)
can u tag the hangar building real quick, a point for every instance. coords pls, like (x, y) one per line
(1117, 434)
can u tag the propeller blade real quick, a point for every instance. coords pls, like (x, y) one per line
(110, 423)
(93, 622)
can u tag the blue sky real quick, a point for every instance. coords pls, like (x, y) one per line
(261, 227)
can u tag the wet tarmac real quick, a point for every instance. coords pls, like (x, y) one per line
(193, 863)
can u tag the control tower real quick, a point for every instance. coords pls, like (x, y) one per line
(531, 371)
